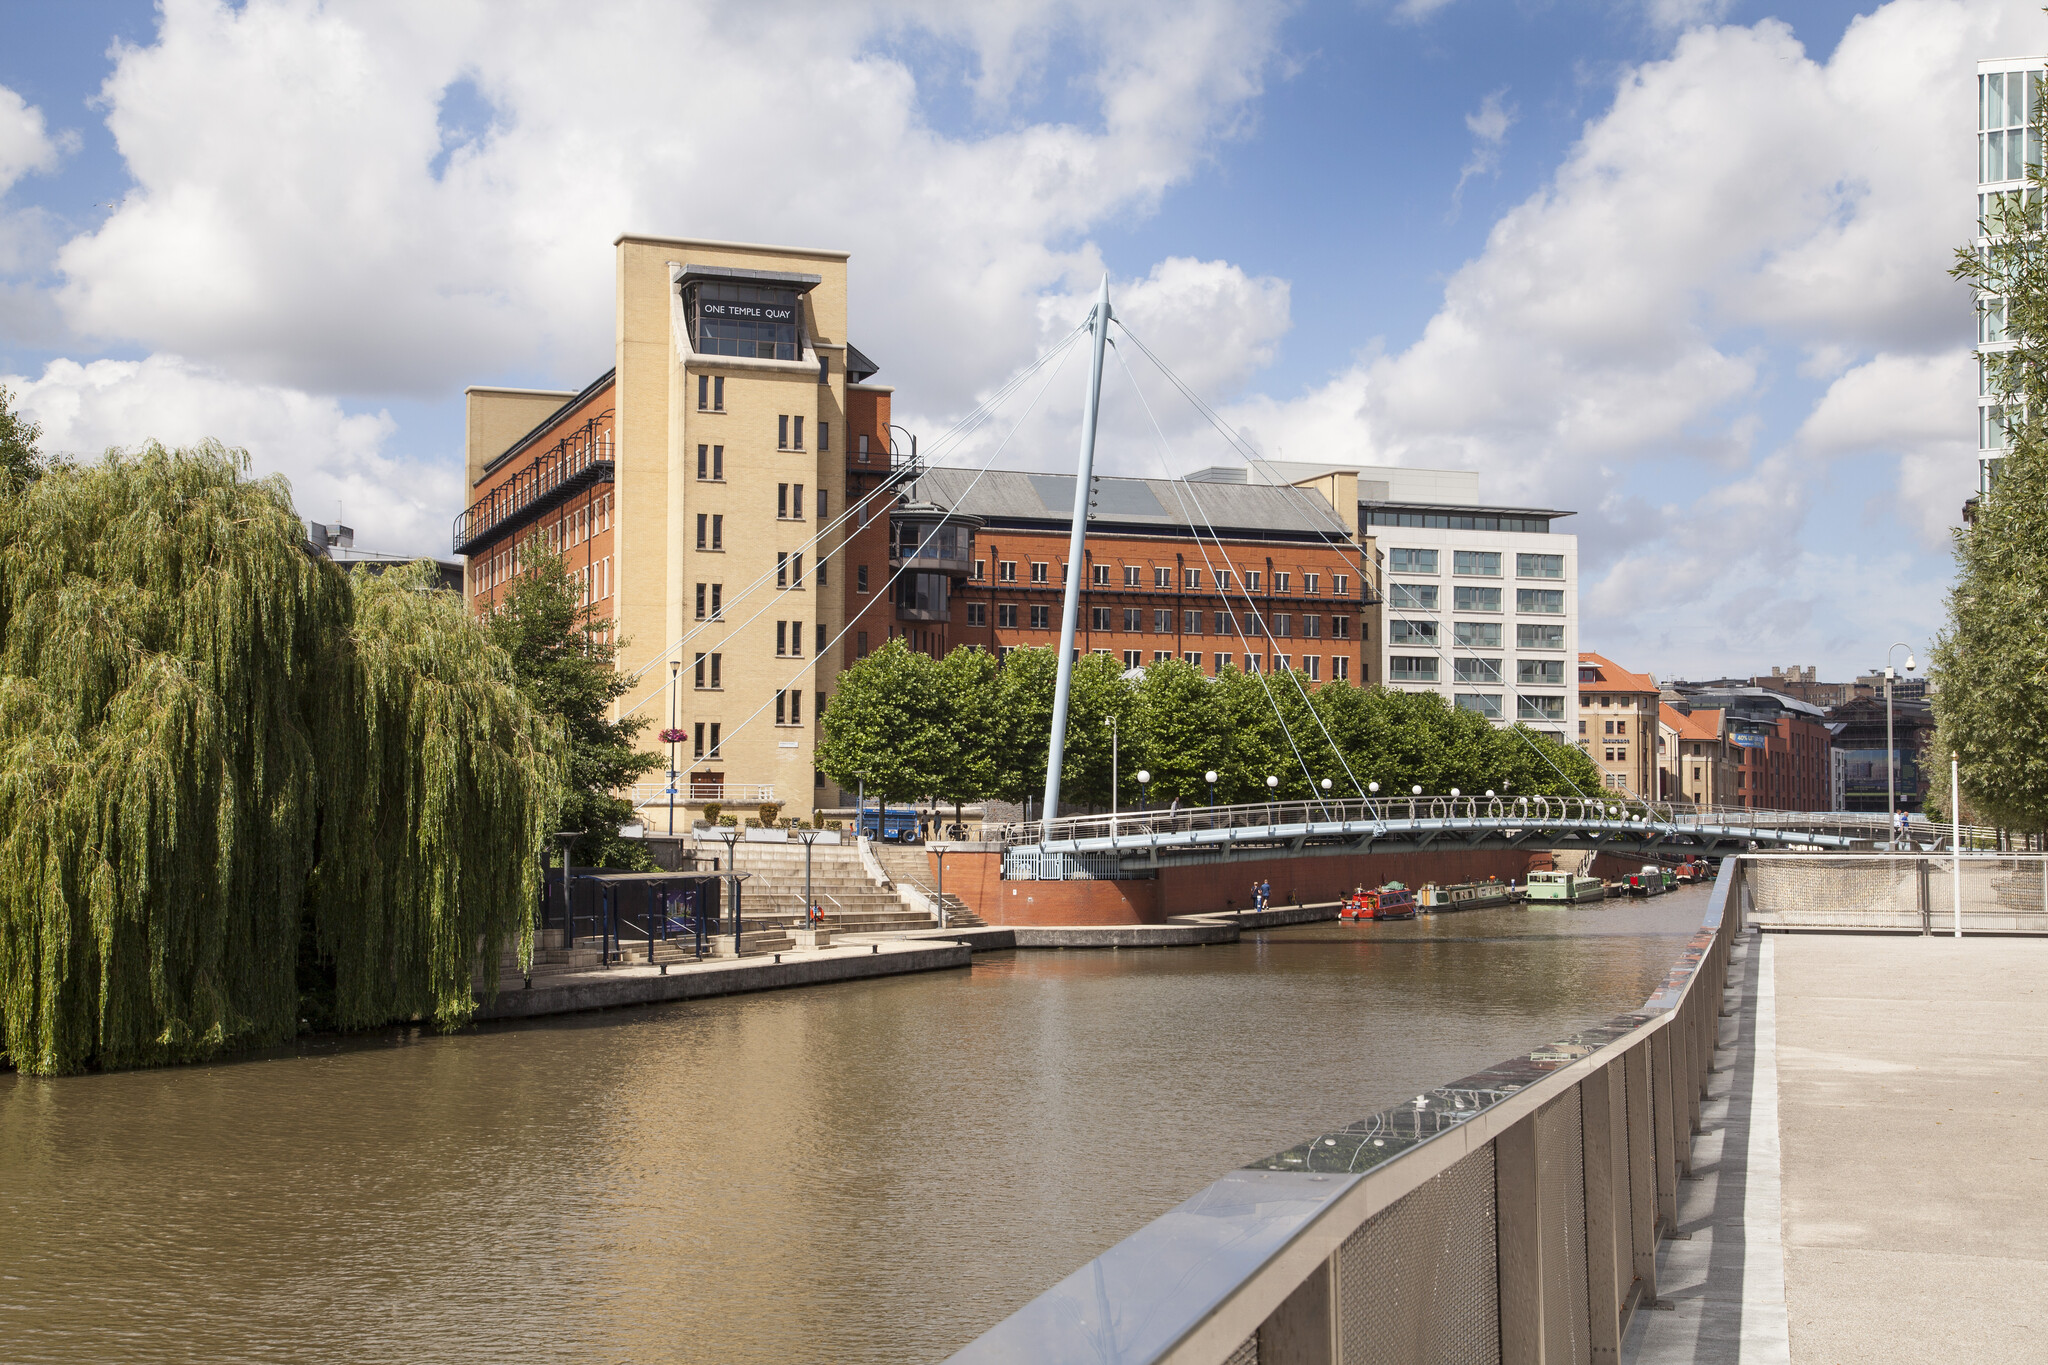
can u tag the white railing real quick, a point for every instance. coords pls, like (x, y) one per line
(646, 794)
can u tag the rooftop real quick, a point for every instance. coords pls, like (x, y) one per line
(1612, 676)
(1017, 499)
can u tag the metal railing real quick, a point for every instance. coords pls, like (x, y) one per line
(1910, 893)
(575, 462)
(646, 794)
(1514, 1215)
(1614, 808)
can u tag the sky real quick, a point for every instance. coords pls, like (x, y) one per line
(1678, 266)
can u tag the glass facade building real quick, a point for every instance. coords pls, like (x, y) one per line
(2008, 90)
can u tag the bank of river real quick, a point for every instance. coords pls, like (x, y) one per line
(873, 1171)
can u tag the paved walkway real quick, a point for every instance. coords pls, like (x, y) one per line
(1871, 1184)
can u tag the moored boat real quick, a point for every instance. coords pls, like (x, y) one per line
(1649, 881)
(1436, 900)
(1563, 888)
(1392, 901)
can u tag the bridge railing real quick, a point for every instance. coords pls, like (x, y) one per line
(1610, 809)
(1514, 1215)
(1910, 893)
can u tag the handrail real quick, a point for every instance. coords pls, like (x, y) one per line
(586, 451)
(1579, 1144)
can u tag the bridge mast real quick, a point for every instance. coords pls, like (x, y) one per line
(1070, 611)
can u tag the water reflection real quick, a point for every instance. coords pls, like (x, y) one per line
(873, 1171)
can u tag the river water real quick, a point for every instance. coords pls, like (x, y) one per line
(873, 1171)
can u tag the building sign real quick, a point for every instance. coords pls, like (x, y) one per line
(1749, 741)
(783, 314)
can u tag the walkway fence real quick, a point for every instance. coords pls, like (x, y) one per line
(1513, 1216)
(1671, 816)
(2001, 893)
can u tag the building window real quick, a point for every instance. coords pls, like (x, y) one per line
(703, 590)
(1283, 625)
(703, 462)
(1311, 584)
(1414, 596)
(1475, 599)
(860, 449)
(1038, 571)
(1041, 617)
(780, 704)
(1223, 580)
(860, 578)
(1476, 563)
(1191, 622)
(1006, 571)
(1006, 615)
(797, 441)
(1546, 601)
(796, 500)
(782, 432)
(980, 568)
(1481, 703)
(718, 393)
(1283, 663)
(1162, 578)
(1251, 581)
(1539, 637)
(977, 613)
(1279, 581)
(1134, 619)
(1412, 632)
(1251, 663)
(1162, 622)
(1412, 668)
(1542, 672)
(1539, 566)
(703, 393)
(1098, 618)
(1131, 573)
(705, 673)
(824, 444)
(1477, 634)
(1340, 584)
(1133, 658)
(1193, 656)
(1101, 575)
(1340, 667)
(1621, 727)
(1222, 662)
(1475, 670)
(1312, 665)
(782, 569)
(1340, 627)
(1224, 625)
(1411, 561)
(782, 502)
(860, 644)
(1191, 578)
(822, 514)
(1540, 708)
(781, 638)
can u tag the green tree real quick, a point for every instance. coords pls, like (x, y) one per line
(564, 656)
(967, 683)
(1181, 734)
(1989, 664)
(1023, 723)
(220, 755)
(1097, 692)
(888, 725)
(20, 462)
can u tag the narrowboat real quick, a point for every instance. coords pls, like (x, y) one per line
(1563, 888)
(1392, 901)
(1647, 882)
(1437, 900)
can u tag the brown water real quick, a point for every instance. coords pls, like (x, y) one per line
(873, 1171)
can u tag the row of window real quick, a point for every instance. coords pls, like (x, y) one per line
(1445, 521)
(1280, 624)
(1427, 597)
(1477, 634)
(1475, 563)
(1426, 668)
(1488, 704)
(1225, 580)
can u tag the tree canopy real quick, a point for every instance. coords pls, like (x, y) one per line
(221, 756)
(1989, 664)
(963, 729)
(20, 461)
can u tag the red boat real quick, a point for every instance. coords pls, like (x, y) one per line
(1392, 901)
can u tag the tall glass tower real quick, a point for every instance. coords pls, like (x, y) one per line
(2007, 89)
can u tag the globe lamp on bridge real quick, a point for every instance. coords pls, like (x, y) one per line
(1144, 781)
(1210, 778)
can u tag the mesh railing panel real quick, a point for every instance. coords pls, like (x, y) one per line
(1247, 1354)
(1561, 1182)
(1418, 1282)
(1999, 894)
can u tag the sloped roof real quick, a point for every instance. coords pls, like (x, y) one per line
(1020, 498)
(1696, 725)
(1614, 677)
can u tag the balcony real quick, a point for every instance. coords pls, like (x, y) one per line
(932, 540)
(578, 461)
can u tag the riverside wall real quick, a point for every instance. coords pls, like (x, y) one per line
(975, 876)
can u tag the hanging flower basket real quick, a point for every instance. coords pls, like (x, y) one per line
(672, 736)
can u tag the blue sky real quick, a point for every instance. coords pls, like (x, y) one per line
(1676, 264)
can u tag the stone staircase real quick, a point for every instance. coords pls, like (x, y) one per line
(908, 863)
(851, 901)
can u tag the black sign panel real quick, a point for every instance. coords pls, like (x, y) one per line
(722, 311)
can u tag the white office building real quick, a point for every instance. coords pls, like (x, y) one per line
(2007, 89)
(1482, 601)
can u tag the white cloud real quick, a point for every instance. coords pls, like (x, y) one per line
(1740, 207)
(286, 224)
(336, 462)
(1489, 125)
(25, 144)
(26, 147)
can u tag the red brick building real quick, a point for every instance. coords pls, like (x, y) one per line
(1221, 575)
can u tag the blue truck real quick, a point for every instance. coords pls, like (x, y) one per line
(901, 826)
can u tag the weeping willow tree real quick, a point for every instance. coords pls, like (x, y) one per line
(213, 743)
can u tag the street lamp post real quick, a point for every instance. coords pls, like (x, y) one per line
(1144, 780)
(1891, 755)
(1272, 782)
(1210, 778)
(1110, 721)
(675, 670)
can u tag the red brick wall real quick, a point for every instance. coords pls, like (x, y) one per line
(975, 878)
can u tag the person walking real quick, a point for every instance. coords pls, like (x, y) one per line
(1265, 894)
